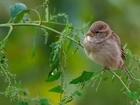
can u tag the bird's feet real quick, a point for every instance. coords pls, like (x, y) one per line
(105, 69)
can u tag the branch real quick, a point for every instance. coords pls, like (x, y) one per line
(120, 80)
(35, 25)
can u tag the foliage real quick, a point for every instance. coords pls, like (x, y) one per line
(58, 59)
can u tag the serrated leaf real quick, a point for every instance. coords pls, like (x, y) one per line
(54, 55)
(54, 77)
(57, 89)
(54, 58)
(54, 66)
(14, 10)
(44, 101)
(21, 15)
(133, 95)
(84, 77)
(78, 93)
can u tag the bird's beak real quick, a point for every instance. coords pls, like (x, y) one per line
(89, 33)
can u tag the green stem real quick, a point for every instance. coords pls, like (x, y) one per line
(75, 41)
(36, 25)
(37, 15)
(9, 32)
(120, 80)
(30, 24)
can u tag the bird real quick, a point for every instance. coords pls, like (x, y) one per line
(104, 47)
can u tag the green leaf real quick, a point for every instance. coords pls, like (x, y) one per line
(44, 101)
(21, 15)
(19, 84)
(84, 77)
(75, 50)
(69, 46)
(106, 78)
(113, 78)
(54, 58)
(54, 55)
(125, 46)
(38, 7)
(22, 103)
(54, 77)
(57, 89)
(133, 95)
(83, 85)
(2, 58)
(54, 66)
(78, 93)
(10, 89)
(14, 10)
(138, 91)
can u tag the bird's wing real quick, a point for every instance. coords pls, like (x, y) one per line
(117, 39)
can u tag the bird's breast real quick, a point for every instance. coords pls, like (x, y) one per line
(106, 53)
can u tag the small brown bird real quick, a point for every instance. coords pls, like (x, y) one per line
(103, 46)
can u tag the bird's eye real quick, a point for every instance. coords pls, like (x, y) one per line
(97, 32)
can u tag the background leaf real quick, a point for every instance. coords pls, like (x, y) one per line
(44, 101)
(133, 95)
(84, 77)
(14, 10)
(54, 77)
(78, 93)
(22, 103)
(21, 15)
(57, 89)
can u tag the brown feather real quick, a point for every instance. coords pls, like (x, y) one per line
(117, 39)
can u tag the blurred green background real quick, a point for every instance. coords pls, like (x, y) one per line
(123, 16)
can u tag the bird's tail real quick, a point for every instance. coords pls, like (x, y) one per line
(128, 74)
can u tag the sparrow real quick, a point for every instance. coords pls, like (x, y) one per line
(104, 47)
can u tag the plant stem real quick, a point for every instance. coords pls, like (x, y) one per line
(30, 24)
(120, 80)
(35, 25)
(37, 15)
(75, 41)
(9, 32)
